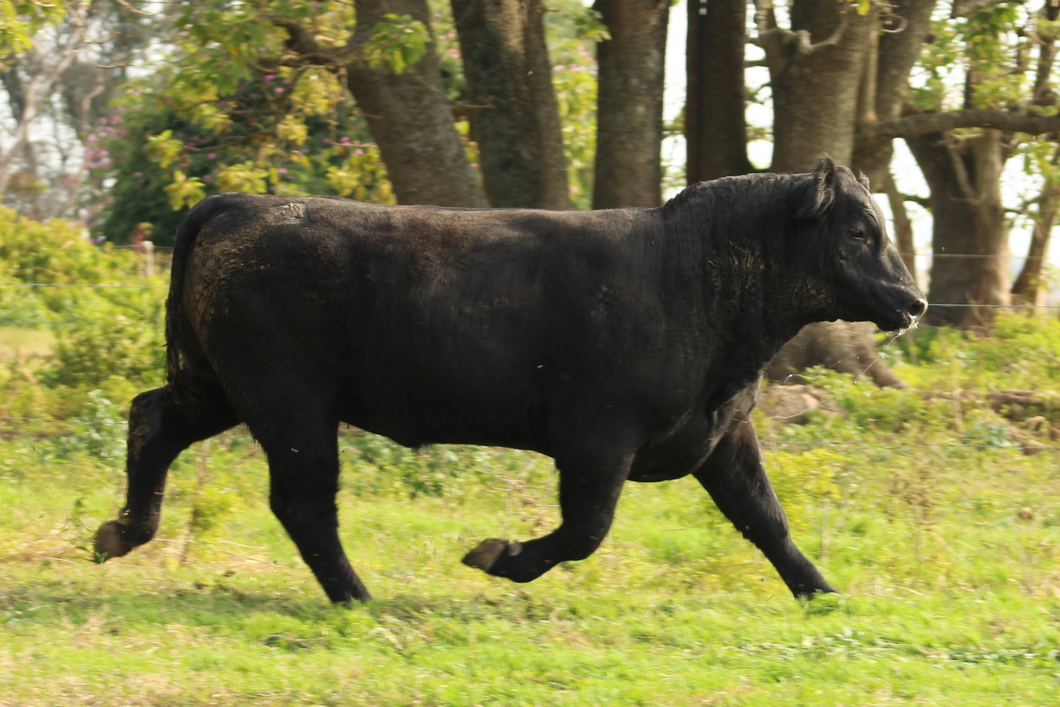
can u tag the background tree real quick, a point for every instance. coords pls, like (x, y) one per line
(839, 81)
(630, 114)
(513, 111)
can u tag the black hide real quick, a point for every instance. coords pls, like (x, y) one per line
(626, 344)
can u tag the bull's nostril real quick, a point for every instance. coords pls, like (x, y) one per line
(917, 309)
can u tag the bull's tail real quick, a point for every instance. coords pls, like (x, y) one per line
(176, 322)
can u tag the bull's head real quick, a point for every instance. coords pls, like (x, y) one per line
(867, 276)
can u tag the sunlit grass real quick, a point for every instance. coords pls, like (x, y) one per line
(948, 563)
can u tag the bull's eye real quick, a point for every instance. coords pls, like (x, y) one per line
(856, 233)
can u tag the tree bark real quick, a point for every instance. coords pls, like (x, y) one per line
(715, 125)
(904, 32)
(1028, 286)
(847, 347)
(903, 228)
(410, 118)
(970, 236)
(991, 118)
(513, 112)
(630, 102)
(816, 70)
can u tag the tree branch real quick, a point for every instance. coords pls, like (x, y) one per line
(302, 43)
(923, 123)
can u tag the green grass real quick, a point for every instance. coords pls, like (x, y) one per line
(947, 556)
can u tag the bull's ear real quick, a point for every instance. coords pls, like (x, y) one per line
(821, 196)
(863, 180)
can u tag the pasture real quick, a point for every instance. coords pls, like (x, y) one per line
(947, 555)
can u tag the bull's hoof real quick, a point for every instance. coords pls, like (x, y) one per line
(485, 555)
(109, 543)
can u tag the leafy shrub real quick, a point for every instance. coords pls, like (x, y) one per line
(100, 431)
(54, 253)
(20, 306)
(803, 480)
(105, 333)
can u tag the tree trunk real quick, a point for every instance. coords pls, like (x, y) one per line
(715, 126)
(903, 228)
(410, 118)
(816, 74)
(513, 112)
(847, 347)
(630, 103)
(906, 29)
(1028, 286)
(970, 236)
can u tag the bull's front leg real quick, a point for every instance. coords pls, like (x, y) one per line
(735, 478)
(589, 487)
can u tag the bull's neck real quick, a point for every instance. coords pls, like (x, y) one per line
(743, 281)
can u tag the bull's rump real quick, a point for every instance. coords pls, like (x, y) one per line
(420, 323)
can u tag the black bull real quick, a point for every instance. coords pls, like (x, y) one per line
(626, 344)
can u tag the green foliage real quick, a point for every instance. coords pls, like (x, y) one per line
(54, 253)
(983, 45)
(235, 109)
(589, 25)
(806, 479)
(378, 465)
(99, 432)
(20, 20)
(396, 44)
(1018, 351)
(572, 31)
(312, 144)
(105, 333)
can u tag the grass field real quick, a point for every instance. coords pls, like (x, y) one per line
(947, 556)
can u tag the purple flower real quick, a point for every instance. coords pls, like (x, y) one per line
(270, 77)
(327, 141)
(345, 139)
(279, 90)
(282, 170)
(212, 155)
(474, 164)
(358, 151)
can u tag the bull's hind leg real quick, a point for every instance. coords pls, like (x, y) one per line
(735, 478)
(161, 426)
(302, 447)
(588, 493)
